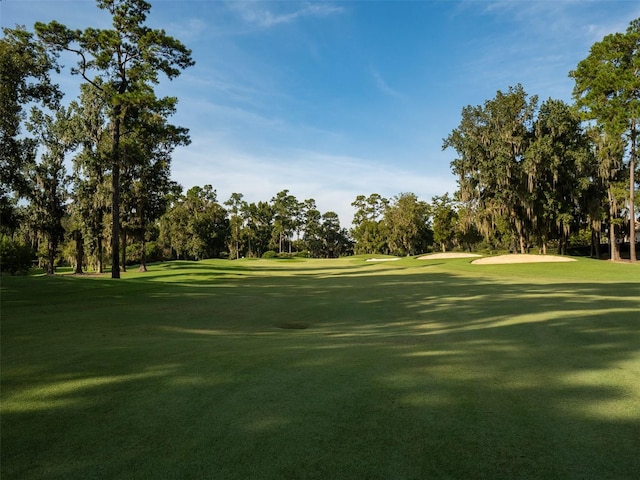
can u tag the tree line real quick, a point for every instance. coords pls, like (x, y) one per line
(197, 226)
(529, 175)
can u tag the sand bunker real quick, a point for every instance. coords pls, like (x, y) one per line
(500, 259)
(440, 256)
(520, 258)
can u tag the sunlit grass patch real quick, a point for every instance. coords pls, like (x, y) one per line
(323, 369)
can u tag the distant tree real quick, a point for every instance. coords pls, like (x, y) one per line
(25, 68)
(90, 186)
(126, 60)
(313, 230)
(165, 226)
(369, 229)
(285, 208)
(558, 167)
(48, 181)
(235, 209)
(445, 218)
(335, 240)
(148, 149)
(260, 218)
(407, 221)
(467, 234)
(298, 210)
(608, 177)
(491, 142)
(73, 226)
(198, 224)
(607, 90)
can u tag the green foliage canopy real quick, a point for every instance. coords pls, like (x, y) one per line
(121, 63)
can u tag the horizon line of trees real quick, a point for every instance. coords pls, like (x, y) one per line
(196, 225)
(530, 175)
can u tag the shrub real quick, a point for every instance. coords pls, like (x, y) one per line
(153, 253)
(15, 257)
(269, 254)
(581, 238)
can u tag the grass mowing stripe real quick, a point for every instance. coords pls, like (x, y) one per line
(323, 369)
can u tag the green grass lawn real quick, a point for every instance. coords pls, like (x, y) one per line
(324, 369)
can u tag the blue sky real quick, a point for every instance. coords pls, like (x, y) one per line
(335, 99)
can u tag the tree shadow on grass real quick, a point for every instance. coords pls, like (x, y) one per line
(422, 375)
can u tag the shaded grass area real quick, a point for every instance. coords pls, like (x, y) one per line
(324, 369)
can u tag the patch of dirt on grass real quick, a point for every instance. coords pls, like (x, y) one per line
(381, 259)
(441, 256)
(521, 258)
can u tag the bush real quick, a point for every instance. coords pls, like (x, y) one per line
(154, 253)
(15, 257)
(269, 254)
(581, 238)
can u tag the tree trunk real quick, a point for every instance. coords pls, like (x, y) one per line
(237, 243)
(596, 227)
(51, 256)
(614, 248)
(115, 195)
(632, 188)
(143, 247)
(613, 245)
(124, 250)
(79, 252)
(560, 242)
(563, 241)
(143, 256)
(100, 252)
(521, 240)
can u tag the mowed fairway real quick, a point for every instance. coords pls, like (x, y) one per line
(324, 369)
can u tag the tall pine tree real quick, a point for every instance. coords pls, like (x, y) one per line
(122, 64)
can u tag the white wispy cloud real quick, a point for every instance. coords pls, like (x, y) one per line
(383, 86)
(333, 180)
(260, 15)
(555, 20)
(596, 32)
(533, 42)
(187, 30)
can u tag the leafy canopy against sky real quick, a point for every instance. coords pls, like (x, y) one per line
(335, 99)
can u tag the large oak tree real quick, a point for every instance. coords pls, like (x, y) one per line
(607, 89)
(491, 142)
